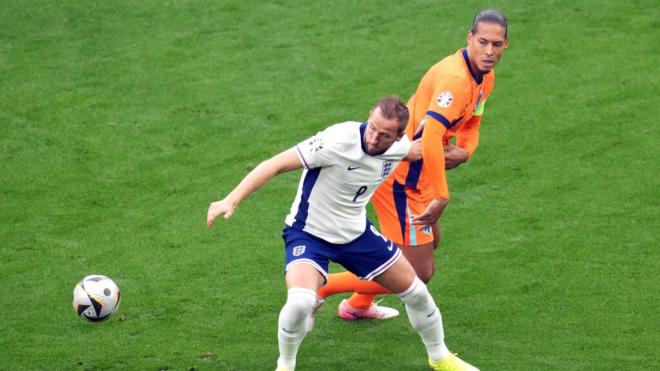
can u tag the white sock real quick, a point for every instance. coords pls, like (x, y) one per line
(292, 325)
(425, 317)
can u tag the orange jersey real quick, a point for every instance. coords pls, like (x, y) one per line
(448, 102)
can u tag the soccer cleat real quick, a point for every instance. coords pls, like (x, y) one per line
(451, 363)
(312, 317)
(347, 312)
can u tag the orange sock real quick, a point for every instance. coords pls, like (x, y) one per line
(348, 282)
(362, 301)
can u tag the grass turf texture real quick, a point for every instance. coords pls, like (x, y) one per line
(121, 121)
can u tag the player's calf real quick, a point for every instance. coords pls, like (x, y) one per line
(425, 317)
(292, 325)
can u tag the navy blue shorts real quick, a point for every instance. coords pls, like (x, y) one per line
(367, 256)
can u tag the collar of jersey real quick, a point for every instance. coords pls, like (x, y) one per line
(476, 78)
(363, 128)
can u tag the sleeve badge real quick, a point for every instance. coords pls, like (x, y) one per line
(445, 99)
(315, 144)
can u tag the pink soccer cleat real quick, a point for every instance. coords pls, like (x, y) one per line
(347, 312)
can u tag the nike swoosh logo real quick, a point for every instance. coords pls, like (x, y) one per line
(391, 246)
(287, 331)
(352, 168)
(429, 315)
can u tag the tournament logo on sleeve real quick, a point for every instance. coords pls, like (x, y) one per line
(315, 144)
(445, 99)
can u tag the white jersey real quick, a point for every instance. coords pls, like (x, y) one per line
(338, 180)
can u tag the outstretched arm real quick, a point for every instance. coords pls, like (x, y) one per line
(280, 163)
(434, 162)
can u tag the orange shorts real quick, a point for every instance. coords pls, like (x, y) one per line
(395, 203)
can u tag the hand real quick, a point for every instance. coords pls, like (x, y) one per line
(431, 215)
(222, 207)
(454, 156)
(415, 152)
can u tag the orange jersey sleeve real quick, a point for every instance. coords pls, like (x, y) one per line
(433, 154)
(468, 135)
(449, 101)
(447, 106)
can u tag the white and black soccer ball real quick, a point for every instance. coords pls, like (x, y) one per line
(96, 297)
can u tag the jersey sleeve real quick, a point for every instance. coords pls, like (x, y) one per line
(447, 106)
(319, 150)
(434, 157)
(451, 96)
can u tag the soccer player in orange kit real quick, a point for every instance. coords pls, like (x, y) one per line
(449, 102)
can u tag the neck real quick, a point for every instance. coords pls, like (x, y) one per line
(473, 65)
(476, 74)
(476, 70)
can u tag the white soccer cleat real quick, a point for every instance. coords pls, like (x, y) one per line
(347, 312)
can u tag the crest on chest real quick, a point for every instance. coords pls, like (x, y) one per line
(387, 168)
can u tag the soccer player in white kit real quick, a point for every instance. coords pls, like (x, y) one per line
(343, 166)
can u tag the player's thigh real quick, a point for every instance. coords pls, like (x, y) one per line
(368, 256)
(304, 275)
(418, 202)
(437, 235)
(422, 259)
(398, 277)
(306, 259)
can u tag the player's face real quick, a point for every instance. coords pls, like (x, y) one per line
(381, 133)
(486, 45)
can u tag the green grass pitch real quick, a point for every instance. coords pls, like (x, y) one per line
(120, 121)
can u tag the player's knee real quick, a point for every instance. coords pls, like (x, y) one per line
(300, 302)
(426, 275)
(425, 272)
(417, 295)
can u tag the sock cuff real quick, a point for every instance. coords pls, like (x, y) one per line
(303, 293)
(416, 285)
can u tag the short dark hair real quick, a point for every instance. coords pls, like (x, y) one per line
(490, 16)
(393, 107)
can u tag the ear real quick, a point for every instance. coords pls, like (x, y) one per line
(506, 43)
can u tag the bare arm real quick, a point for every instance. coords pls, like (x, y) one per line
(468, 136)
(280, 163)
(415, 152)
(431, 215)
(454, 156)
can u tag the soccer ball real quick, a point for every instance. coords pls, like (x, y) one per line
(95, 298)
